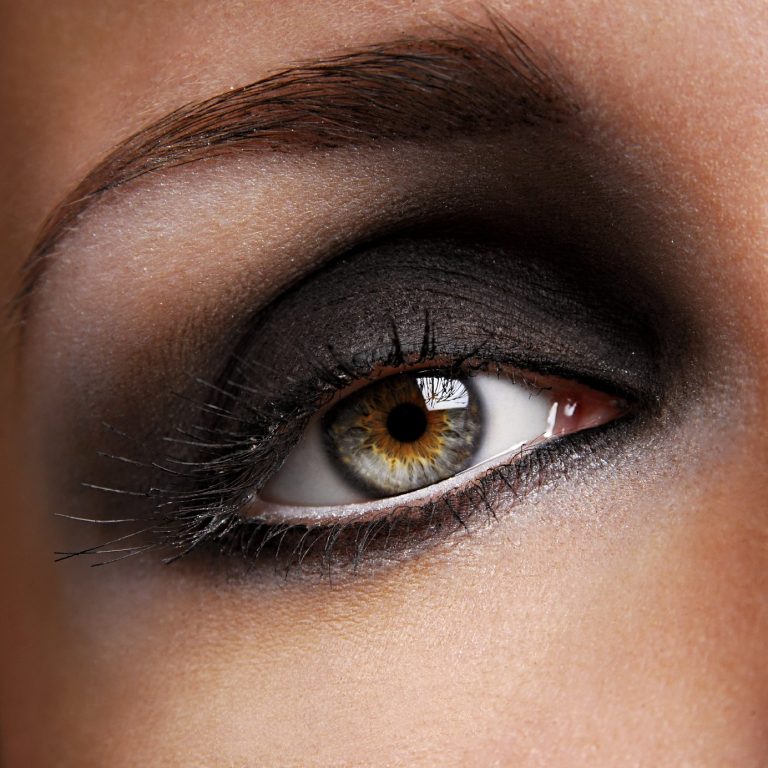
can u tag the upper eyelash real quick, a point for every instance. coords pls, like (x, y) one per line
(203, 513)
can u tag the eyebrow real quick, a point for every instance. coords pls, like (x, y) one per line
(473, 79)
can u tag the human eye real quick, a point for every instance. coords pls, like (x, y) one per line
(409, 431)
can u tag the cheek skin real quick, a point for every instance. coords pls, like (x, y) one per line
(582, 632)
(621, 623)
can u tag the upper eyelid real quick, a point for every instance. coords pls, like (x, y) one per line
(452, 84)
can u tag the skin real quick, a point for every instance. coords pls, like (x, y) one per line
(618, 620)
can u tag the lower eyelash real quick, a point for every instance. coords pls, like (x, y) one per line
(334, 551)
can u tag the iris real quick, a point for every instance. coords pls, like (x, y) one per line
(405, 432)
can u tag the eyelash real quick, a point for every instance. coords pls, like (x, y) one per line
(199, 510)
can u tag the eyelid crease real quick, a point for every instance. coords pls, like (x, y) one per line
(473, 79)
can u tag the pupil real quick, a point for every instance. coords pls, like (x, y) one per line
(407, 422)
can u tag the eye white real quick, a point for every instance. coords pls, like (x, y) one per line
(512, 414)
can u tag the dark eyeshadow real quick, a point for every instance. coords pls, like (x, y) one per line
(504, 305)
(405, 301)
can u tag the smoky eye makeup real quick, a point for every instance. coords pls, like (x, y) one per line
(414, 386)
(343, 357)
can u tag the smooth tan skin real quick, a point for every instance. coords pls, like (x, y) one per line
(616, 621)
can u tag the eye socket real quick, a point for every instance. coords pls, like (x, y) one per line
(246, 466)
(407, 432)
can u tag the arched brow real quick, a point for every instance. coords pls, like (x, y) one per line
(469, 80)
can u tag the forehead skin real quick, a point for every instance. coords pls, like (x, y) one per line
(631, 646)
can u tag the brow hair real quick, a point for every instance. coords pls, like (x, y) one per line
(468, 80)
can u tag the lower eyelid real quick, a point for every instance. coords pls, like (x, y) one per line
(388, 531)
